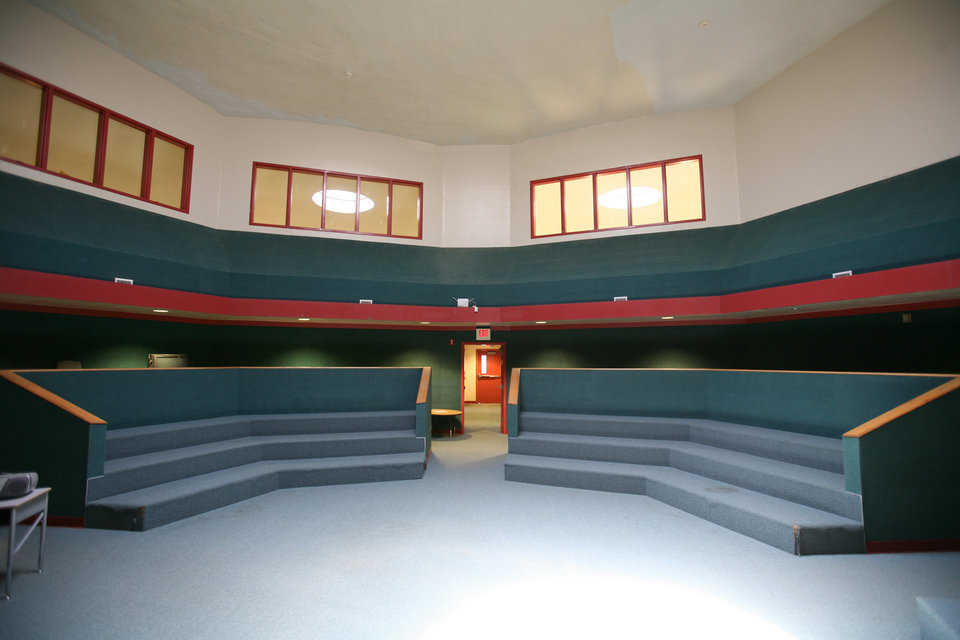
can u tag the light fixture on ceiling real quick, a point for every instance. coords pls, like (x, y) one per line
(161, 311)
(640, 196)
(541, 322)
(666, 317)
(424, 322)
(304, 319)
(704, 24)
(342, 201)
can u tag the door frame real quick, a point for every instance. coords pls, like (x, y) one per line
(503, 377)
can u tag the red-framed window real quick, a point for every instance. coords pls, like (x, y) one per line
(58, 132)
(664, 192)
(302, 198)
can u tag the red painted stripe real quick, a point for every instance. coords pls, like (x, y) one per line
(33, 285)
(908, 546)
(65, 521)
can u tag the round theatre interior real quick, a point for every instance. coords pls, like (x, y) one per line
(401, 320)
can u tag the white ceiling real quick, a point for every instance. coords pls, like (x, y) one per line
(458, 71)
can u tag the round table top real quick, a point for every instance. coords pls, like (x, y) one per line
(445, 412)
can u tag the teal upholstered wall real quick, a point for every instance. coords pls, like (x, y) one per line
(130, 398)
(820, 404)
(908, 474)
(908, 219)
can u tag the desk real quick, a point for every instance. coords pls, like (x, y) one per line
(450, 415)
(20, 509)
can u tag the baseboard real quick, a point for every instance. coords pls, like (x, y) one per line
(65, 521)
(907, 546)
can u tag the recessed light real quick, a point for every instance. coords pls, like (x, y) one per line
(424, 322)
(541, 322)
(304, 319)
(161, 311)
(705, 24)
(666, 317)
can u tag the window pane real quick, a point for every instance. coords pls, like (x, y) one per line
(123, 167)
(20, 103)
(341, 204)
(612, 200)
(578, 204)
(646, 189)
(374, 198)
(546, 209)
(73, 139)
(306, 200)
(406, 211)
(270, 196)
(166, 181)
(684, 201)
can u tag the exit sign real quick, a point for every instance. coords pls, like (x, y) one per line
(483, 333)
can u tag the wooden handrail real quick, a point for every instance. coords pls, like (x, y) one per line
(51, 397)
(837, 373)
(424, 385)
(514, 386)
(904, 409)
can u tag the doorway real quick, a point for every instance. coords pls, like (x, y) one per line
(483, 387)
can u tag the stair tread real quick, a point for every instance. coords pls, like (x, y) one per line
(187, 486)
(754, 502)
(790, 470)
(167, 455)
(130, 432)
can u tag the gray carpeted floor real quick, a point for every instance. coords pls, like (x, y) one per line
(458, 554)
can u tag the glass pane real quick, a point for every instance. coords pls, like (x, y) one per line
(306, 200)
(483, 365)
(20, 104)
(166, 181)
(546, 209)
(374, 200)
(646, 195)
(406, 211)
(612, 200)
(684, 201)
(341, 205)
(123, 167)
(270, 196)
(578, 204)
(73, 139)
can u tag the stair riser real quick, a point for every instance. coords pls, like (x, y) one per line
(141, 519)
(609, 428)
(575, 479)
(828, 460)
(122, 447)
(836, 501)
(584, 451)
(776, 534)
(149, 475)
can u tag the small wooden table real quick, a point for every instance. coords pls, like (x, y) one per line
(20, 509)
(451, 418)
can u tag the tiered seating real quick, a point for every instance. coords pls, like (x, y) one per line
(160, 473)
(782, 488)
(939, 618)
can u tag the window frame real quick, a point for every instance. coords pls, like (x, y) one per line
(626, 169)
(100, 152)
(326, 173)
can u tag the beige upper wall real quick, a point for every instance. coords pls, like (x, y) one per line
(881, 99)
(878, 100)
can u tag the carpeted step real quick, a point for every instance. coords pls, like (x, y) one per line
(797, 448)
(939, 618)
(136, 472)
(122, 443)
(805, 485)
(164, 503)
(783, 524)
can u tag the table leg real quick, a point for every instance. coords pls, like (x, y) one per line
(43, 533)
(11, 537)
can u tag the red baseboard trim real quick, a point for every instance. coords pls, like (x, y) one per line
(908, 546)
(65, 521)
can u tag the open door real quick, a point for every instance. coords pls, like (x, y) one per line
(482, 374)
